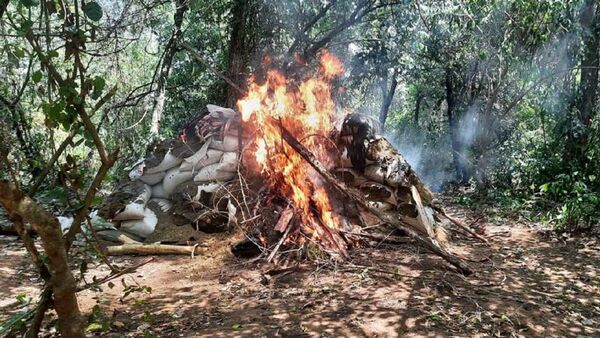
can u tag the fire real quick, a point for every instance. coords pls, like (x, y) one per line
(307, 110)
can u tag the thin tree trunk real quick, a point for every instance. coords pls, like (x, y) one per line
(388, 97)
(486, 129)
(240, 48)
(165, 66)
(61, 279)
(21, 128)
(588, 87)
(457, 148)
(418, 109)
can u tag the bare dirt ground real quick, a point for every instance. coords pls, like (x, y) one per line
(527, 285)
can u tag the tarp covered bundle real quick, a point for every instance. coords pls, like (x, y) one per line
(370, 163)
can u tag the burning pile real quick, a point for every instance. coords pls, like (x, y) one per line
(326, 182)
(307, 110)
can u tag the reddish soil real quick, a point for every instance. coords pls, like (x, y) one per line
(527, 285)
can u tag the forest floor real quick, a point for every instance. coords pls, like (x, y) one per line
(528, 284)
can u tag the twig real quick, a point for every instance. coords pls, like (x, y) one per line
(40, 178)
(114, 275)
(199, 58)
(461, 225)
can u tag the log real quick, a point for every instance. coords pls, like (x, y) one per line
(429, 243)
(152, 249)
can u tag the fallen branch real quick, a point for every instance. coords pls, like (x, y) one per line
(353, 196)
(152, 249)
(461, 225)
(114, 275)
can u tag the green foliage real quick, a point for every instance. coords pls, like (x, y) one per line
(15, 322)
(93, 11)
(98, 321)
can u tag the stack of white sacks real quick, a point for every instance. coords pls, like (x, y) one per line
(212, 165)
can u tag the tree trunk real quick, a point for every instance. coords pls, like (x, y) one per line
(588, 85)
(388, 97)
(458, 156)
(240, 48)
(486, 131)
(418, 109)
(61, 279)
(165, 66)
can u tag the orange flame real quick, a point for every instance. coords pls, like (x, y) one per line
(307, 110)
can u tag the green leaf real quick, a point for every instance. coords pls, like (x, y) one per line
(22, 298)
(26, 26)
(236, 326)
(99, 84)
(19, 53)
(52, 54)
(94, 327)
(37, 76)
(30, 3)
(93, 11)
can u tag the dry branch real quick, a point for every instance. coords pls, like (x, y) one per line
(114, 275)
(461, 225)
(427, 242)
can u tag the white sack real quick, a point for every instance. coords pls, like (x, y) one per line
(229, 162)
(152, 179)
(229, 143)
(168, 162)
(213, 172)
(143, 227)
(214, 109)
(174, 178)
(197, 162)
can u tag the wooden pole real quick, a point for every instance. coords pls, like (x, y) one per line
(152, 249)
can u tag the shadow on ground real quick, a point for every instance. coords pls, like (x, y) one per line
(526, 285)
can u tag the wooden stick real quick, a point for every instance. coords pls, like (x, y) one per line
(285, 234)
(151, 249)
(461, 225)
(114, 275)
(462, 266)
